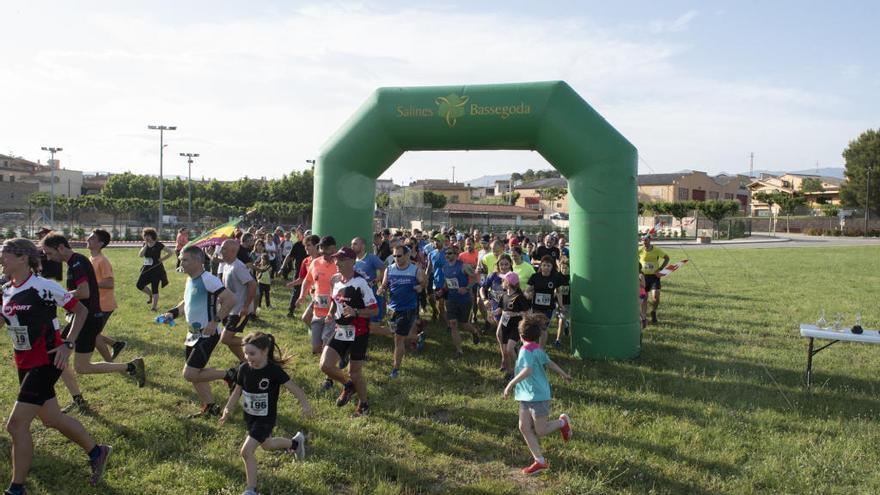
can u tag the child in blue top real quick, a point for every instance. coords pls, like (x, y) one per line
(532, 390)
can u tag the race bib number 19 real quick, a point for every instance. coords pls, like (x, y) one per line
(345, 333)
(21, 341)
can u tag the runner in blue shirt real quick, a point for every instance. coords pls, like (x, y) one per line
(458, 278)
(404, 281)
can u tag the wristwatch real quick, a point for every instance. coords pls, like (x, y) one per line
(68, 344)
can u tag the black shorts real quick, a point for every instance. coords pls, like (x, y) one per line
(153, 278)
(458, 310)
(356, 348)
(198, 355)
(402, 321)
(259, 427)
(235, 323)
(652, 282)
(37, 385)
(88, 334)
(510, 331)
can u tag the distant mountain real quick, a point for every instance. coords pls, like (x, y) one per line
(486, 180)
(836, 172)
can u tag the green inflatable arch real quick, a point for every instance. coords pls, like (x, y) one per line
(548, 117)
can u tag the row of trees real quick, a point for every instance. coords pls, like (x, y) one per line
(146, 210)
(294, 188)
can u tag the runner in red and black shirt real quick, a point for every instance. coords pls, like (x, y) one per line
(351, 307)
(29, 309)
(82, 282)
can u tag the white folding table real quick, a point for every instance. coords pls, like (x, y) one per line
(813, 332)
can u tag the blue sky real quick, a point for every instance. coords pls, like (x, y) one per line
(257, 87)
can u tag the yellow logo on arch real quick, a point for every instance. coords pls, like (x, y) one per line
(451, 107)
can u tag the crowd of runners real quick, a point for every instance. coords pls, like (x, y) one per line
(475, 284)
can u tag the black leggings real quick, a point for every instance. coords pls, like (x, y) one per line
(264, 291)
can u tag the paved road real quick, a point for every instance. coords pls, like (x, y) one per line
(780, 241)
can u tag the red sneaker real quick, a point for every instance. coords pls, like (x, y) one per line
(566, 427)
(536, 468)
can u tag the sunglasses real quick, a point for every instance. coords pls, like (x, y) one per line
(398, 256)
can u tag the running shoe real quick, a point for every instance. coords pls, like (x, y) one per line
(536, 468)
(139, 373)
(420, 344)
(653, 317)
(557, 344)
(300, 451)
(327, 385)
(118, 347)
(99, 463)
(345, 396)
(290, 314)
(206, 411)
(78, 404)
(565, 431)
(249, 492)
(475, 338)
(363, 409)
(22, 492)
(394, 373)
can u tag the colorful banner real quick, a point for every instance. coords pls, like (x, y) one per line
(216, 236)
(671, 268)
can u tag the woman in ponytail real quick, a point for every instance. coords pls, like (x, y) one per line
(258, 382)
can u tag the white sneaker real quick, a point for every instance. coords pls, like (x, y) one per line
(300, 451)
(250, 492)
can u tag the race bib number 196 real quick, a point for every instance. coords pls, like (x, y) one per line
(542, 299)
(255, 404)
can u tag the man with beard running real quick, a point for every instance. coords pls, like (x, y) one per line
(201, 296)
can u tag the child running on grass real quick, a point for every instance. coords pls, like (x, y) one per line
(259, 380)
(533, 392)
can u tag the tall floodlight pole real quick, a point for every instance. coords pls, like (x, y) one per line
(52, 152)
(867, 200)
(189, 161)
(161, 129)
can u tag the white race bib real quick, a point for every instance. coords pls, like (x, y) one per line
(21, 341)
(452, 283)
(255, 404)
(345, 333)
(542, 299)
(648, 267)
(497, 294)
(322, 301)
(564, 290)
(505, 318)
(148, 261)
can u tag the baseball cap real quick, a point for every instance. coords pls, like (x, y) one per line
(512, 278)
(513, 242)
(344, 253)
(439, 237)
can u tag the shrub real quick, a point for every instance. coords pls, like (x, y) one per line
(10, 233)
(79, 232)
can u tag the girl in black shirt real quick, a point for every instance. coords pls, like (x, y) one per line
(258, 381)
(153, 273)
(514, 304)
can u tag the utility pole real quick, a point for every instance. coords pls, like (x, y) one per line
(453, 174)
(52, 152)
(189, 184)
(751, 164)
(161, 129)
(867, 200)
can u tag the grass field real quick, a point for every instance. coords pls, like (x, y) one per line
(715, 403)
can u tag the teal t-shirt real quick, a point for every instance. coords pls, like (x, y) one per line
(535, 387)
